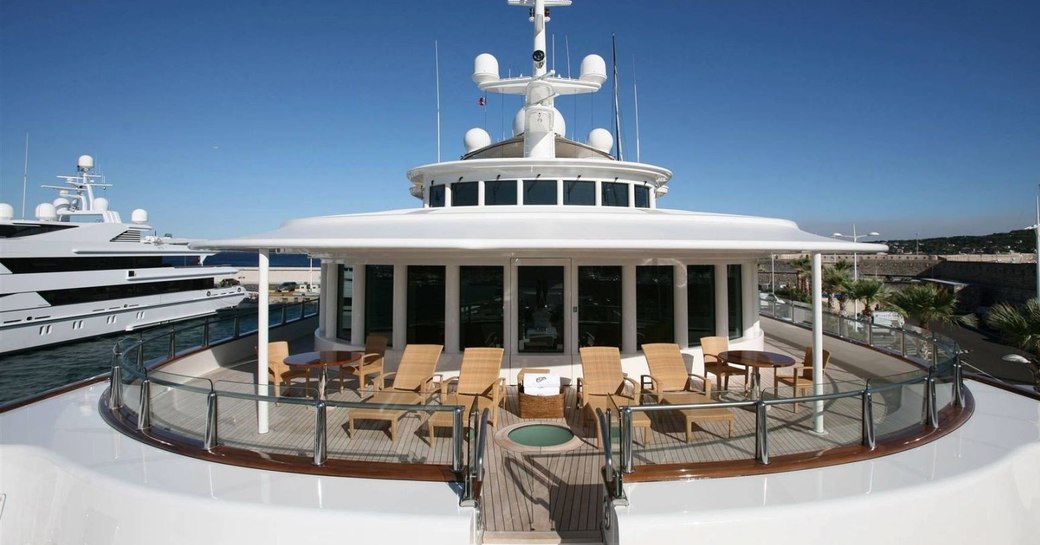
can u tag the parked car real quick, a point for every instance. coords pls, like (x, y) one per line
(287, 287)
(766, 300)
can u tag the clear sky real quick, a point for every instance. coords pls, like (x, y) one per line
(227, 118)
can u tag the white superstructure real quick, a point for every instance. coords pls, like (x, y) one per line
(78, 270)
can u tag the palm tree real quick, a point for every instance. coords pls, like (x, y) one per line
(871, 292)
(924, 304)
(802, 270)
(1020, 327)
(836, 280)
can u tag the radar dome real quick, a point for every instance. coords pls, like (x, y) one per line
(61, 203)
(520, 122)
(139, 215)
(6, 212)
(601, 139)
(475, 139)
(101, 204)
(45, 212)
(594, 69)
(485, 68)
(85, 162)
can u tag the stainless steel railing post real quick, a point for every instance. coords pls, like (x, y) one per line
(320, 436)
(930, 413)
(173, 344)
(457, 439)
(205, 333)
(869, 437)
(140, 355)
(935, 353)
(144, 415)
(211, 421)
(115, 384)
(762, 433)
(625, 417)
(902, 342)
(958, 381)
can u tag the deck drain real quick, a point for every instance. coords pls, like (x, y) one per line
(537, 437)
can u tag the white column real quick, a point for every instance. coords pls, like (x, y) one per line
(628, 308)
(817, 339)
(749, 276)
(262, 338)
(681, 299)
(357, 305)
(451, 308)
(328, 303)
(721, 301)
(400, 321)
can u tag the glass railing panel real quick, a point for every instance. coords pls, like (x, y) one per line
(886, 338)
(221, 329)
(393, 432)
(156, 348)
(189, 338)
(831, 323)
(689, 435)
(179, 403)
(898, 408)
(293, 312)
(856, 330)
(290, 417)
(310, 308)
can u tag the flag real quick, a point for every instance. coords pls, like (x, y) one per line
(481, 101)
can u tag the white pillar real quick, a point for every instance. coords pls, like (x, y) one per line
(451, 308)
(749, 289)
(400, 319)
(817, 339)
(328, 302)
(262, 338)
(721, 301)
(628, 309)
(681, 306)
(357, 305)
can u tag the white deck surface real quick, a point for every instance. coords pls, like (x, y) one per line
(67, 477)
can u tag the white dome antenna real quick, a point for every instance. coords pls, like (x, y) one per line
(139, 216)
(6, 212)
(46, 212)
(485, 69)
(475, 139)
(601, 140)
(593, 69)
(100, 204)
(85, 163)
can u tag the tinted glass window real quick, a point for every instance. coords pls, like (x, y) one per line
(539, 191)
(579, 193)
(615, 194)
(642, 196)
(700, 305)
(480, 306)
(500, 192)
(425, 318)
(346, 300)
(735, 300)
(541, 309)
(464, 194)
(599, 306)
(437, 196)
(379, 301)
(655, 320)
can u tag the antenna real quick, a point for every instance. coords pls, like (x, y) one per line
(25, 174)
(635, 95)
(437, 77)
(567, 47)
(620, 156)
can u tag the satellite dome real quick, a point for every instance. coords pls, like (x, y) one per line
(593, 69)
(45, 212)
(601, 139)
(85, 162)
(485, 68)
(61, 203)
(475, 139)
(6, 212)
(139, 215)
(101, 204)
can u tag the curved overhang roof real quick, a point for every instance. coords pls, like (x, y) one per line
(475, 169)
(526, 229)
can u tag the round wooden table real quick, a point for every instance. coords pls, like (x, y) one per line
(755, 360)
(322, 360)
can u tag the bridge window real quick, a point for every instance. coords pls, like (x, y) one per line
(500, 192)
(540, 192)
(581, 193)
(615, 194)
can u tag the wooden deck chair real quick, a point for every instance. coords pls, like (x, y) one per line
(604, 386)
(412, 385)
(671, 383)
(479, 385)
(712, 347)
(669, 380)
(371, 362)
(278, 371)
(801, 380)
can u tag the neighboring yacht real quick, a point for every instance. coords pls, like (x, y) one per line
(78, 271)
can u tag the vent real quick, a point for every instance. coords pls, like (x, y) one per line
(128, 236)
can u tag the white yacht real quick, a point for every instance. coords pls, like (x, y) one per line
(539, 245)
(78, 271)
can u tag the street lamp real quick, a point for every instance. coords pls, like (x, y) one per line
(855, 238)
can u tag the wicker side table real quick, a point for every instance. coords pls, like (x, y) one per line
(538, 406)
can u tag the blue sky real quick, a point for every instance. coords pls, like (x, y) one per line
(227, 118)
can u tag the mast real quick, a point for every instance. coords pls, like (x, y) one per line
(620, 156)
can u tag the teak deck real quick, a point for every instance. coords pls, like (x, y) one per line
(540, 492)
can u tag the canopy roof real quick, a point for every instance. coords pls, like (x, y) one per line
(539, 228)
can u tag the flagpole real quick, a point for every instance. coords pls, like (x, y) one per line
(620, 156)
(437, 77)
